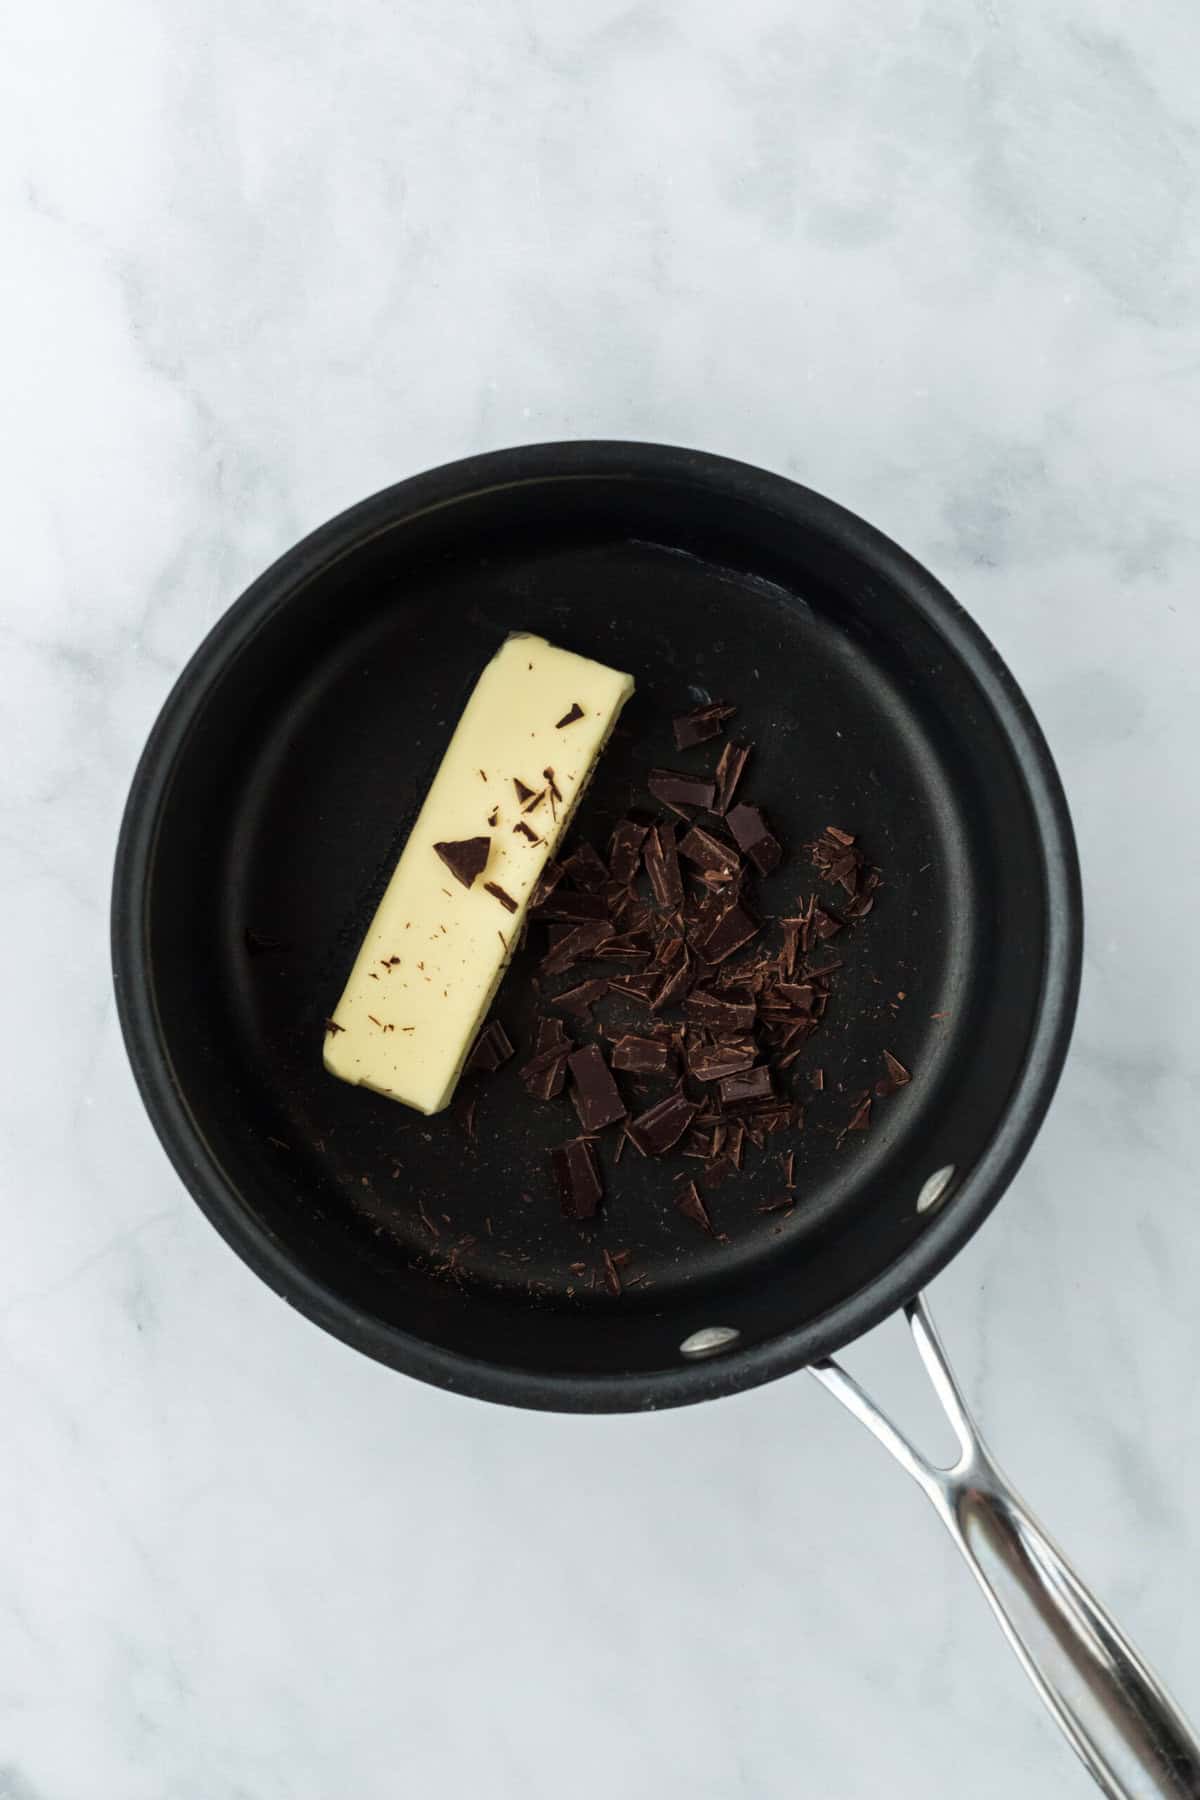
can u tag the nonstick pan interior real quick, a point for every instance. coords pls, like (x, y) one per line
(277, 791)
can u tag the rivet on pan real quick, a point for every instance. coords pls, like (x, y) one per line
(934, 1190)
(710, 1340)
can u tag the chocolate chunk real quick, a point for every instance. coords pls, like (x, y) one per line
(709, 853)
(595, 1094)
(752, 834)
(702, 723)
(693, 1208)
(497, 892)
(714, 1062)
(551, 1035)
(825, 925)
(579, 1185)
(574, 907)
(492, 1047)
(897, 1076)
(545, 1074)
(547, 882)
(750, 1085)
(662, 866)
(569, 718)
(732, 1010)
(677, 791)
(466, 858)
(579, 941)
(730, 765)
(523, 793)
(581, 999)
(641, 1055)
(586, 869)
(625, 852)
(660, 1128)
(732, 929)
(525, 830)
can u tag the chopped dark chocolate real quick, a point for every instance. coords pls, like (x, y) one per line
(332, 1027)
(579, 1185)
(569, 718)
(523, 793)
(748, 1086)
(662, 866)
(548, 775)
(497, 892)
(465, 859)
(676, 790)
(732, 929)
(551, 1035)
(709, 853)
(752, 834)
(702, 723)
(661, 1126)
(577, 942)
(676, 985)
(641, 1055)
(492, 1047)
(730, 766)
(625, 851)
(525, 830)
(595, 1094)
(494, 817)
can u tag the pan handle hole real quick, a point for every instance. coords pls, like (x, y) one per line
(710, 1340)
(934, 1192)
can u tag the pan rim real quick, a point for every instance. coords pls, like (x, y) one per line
(976, 1193)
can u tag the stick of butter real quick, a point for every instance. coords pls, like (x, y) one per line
(435, 952)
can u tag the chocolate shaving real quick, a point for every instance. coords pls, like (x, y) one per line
(494, 816)
(579, 1185)
(526, 831)
(523, 793)
(595, 1094)
(465, 859)
(569, 718)
(548, 776)
(332, 1027)
(732, 1010)
(702, 723)
(730, 767)
(497, 892)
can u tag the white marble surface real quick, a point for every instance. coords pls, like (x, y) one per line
(938, 259)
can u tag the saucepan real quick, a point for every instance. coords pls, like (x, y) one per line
(271, 803)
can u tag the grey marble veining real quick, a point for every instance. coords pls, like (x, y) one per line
(937, 259)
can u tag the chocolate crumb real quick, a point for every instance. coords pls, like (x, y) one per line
(497, 892)
(569, 718)
(579, 1186)
(702, 723)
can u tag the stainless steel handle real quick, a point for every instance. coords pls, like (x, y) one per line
(1122, 1722)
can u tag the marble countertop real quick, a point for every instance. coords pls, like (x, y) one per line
(937, 260)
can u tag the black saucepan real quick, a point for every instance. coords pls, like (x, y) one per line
(277, 788)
